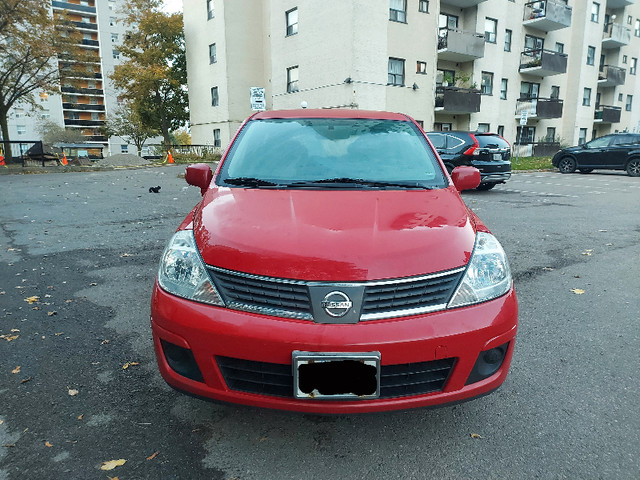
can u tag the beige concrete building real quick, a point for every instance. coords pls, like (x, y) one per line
(569, 65)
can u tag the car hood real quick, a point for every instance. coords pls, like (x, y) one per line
(334, 235)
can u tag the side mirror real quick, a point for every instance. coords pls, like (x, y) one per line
(465, 178)
(199, 175)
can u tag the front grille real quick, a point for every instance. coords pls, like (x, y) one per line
(274, 379)
(291, 299)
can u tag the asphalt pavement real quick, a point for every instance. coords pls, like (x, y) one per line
(79, 386)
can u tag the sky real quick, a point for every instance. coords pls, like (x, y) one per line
(173, 6)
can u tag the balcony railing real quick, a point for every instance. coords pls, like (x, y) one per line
(547, 15)
(543, 63)
(85, 25)
(615, 35)
(83, 106)
(607, 114)
(68, 73)
(90, 43)
(540, 107)
(611, 76)
(83, 91)
(83, 123)
(462, 3)
(73, 6)
(457, 100)
(458, 46)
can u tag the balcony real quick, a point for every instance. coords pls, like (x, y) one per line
(85, 26)
(619, 3)
(97, 138)
(69, 73)
(458, 46)
(73, 6)
(610, 76)
(615, 35)
(90, 43)
(607, 114)
(547, 15)
(83, 91)
(543, 63)
(540, 107)
(83, 106)
(457, 100)
(68, 122)
(462, 3)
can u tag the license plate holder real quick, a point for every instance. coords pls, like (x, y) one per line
(497, 156)
(336, 376)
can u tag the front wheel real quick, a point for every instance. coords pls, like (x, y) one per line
(633, 167)
(485, 186)
(586, 170)
(567, 165)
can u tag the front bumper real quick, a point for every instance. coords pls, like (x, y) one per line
(494, 177)
(217, 336)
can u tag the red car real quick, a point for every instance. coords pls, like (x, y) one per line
(332, 267)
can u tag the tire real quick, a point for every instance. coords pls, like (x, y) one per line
(633, 167)
(567, 165)
(586, 170)
(486, 186)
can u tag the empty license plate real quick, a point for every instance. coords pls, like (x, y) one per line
(336, 376)
(497, 156)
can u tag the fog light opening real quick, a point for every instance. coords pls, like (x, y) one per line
(181, 361)
(488, 363)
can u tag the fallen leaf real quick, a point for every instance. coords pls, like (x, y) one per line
(9, 445)
(602, 230)
(113, 478)
(14, 330)
(548, 269)
(8, 337)
(475, 435)
(104, 342)
(47, 295)
(1, 421)
(58, 334)
(126, 255)
(80, 416)
(68, 301)
(111, 464)
(33, 299)
(93, 284)
(25, 380)
(51, 314)
(577, 291)
(16, 370)
(151, 457)
(73, 392)
(36, 308)
(48, 444)
(129, 364)
(588, 253)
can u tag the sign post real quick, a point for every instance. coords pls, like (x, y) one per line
(523, 122)
(257, 99)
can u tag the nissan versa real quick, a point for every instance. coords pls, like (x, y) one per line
(332, 267)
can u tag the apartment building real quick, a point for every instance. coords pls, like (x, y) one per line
(569, 65)
(86, 94)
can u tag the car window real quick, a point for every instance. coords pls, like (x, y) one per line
(439, 140)
(445, 141)
(598, 142)
(493, 141)
(625, 139)
(285, 151)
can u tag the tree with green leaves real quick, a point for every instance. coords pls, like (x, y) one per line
(31, 42)
(153, 77)
(125, 122)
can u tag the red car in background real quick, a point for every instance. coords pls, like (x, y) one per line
(332, 267)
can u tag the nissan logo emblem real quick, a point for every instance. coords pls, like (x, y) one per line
(336, 304)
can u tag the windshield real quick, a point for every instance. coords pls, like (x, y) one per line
(331, 153)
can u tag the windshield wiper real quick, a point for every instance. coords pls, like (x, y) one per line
(341, 182)
(250, 182)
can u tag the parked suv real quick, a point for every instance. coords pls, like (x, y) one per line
(618, 151)
(488, 152)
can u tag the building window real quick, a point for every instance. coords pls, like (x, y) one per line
(627, 107)
(636, 30)
(620, 97)
(486, 85)
(634, 66)
(212, 54)
(551, 134)
(112, 21)
(529, 90)
(559, 47)
(95, 116)
(586, 97)
(629, 19)
(421, 67)
(292, 79)
(93, 101)
(526, 134)
(483, 127)
(215, 101)
(45, 114)
(501, 130)
(508, 35)
(114, 37)
(124, 148)
(503, 88)
(555, 92)
(423, 6)
(210, 13)
(291, 18)
(591, 55)
(595, 12)
(216, 137)
(490, 29)
(398, 11)
(624, 59)
(112, 4)
(22, 129)
(582, 136)
(73, 116)
(115, 53)
(396, 72)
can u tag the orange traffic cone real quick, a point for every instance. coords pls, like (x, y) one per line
(2, 164)
(64, 159)
(169, 157)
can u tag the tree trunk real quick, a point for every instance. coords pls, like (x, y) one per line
(6, 146)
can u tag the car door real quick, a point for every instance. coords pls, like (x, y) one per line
(616, 155)
(594, 153)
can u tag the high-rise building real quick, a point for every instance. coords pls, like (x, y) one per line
(87, 95)
(569, 65)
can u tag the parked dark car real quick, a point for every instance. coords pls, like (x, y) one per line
(488, 152)
(618, 151)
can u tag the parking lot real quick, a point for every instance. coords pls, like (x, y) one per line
(79, 385)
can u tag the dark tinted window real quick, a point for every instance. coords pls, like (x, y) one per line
(450, 141)
(493, 141)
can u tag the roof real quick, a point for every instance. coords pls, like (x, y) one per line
(329, 113)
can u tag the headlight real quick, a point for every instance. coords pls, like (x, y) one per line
(183, 273)
(488, 275)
